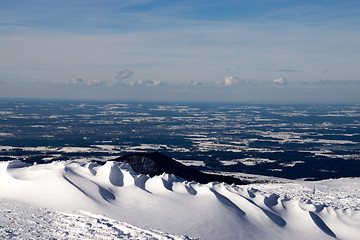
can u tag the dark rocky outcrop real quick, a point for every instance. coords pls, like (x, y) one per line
(157, 163)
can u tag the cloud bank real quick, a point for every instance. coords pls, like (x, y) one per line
(122, 78)
(146, 83)
(80, 81)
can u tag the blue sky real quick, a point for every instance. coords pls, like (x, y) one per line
(232, 51)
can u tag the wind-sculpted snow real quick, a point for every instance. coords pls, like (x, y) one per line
(167, 203)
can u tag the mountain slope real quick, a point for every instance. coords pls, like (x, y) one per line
(209, 211)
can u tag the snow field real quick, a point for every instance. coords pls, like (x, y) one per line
(21, 221)
(170, 204)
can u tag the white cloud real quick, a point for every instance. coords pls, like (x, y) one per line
(80, 81)
(124, 74)
(280, 81)
(229, 81)
(156, 83)
(147, 83)
(122, 78)
(94, 82)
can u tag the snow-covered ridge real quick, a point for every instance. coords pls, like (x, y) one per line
(211, 211)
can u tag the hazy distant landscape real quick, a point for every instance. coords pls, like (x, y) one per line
(291, 141)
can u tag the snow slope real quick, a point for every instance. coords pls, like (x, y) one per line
(21, 221)
(211, 211)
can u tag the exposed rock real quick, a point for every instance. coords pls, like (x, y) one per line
(157, 163)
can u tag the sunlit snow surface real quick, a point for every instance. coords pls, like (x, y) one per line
(84, 200)
(21, 221)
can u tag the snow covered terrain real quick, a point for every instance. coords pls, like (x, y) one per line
(21, 221)
(73, 200)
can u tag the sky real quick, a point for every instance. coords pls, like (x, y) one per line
(261, 51)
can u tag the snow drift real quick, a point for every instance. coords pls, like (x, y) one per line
(170, 204)
(21, 221)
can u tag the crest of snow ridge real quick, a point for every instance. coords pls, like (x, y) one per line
(212, 210)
